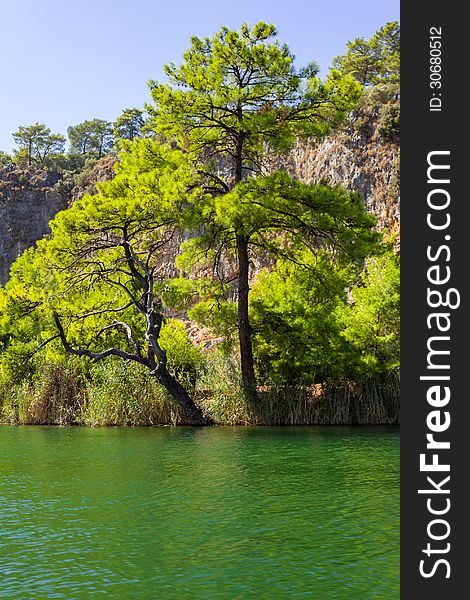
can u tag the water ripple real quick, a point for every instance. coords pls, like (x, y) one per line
(220, 513)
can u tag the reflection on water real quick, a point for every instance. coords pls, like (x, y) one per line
(211, 513)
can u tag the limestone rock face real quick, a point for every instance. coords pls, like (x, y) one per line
(102, 170)
(357, 159)
(28, 201)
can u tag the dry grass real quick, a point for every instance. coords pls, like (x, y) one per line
(375, 401)
(56, 399)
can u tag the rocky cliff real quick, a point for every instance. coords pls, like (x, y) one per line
(28, 201)
(364, 156)
(357, 161)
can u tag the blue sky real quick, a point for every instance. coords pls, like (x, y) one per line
(64, 61)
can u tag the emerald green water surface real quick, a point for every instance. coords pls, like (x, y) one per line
(204, 513)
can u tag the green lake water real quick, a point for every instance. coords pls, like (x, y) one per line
(204, 513)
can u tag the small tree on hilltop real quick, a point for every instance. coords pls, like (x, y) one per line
(129, 124)
(37, 143)
(373, 61)
(92, 138)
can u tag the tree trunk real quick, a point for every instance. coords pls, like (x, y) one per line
(156, 362)
(244, 329)
(192, 415)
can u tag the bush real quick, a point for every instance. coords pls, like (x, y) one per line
(123, 393)
(220, 391)
(388, 127)
(185, 360)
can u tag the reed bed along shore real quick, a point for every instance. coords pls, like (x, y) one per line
(122, 395)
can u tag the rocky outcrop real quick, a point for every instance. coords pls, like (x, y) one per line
(101, 170)
(28, 201)
(361, 165)
(360, 157)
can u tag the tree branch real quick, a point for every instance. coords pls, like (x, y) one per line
(96, 356)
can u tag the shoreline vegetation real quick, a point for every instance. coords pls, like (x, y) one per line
(64, 396)
(203, 283)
